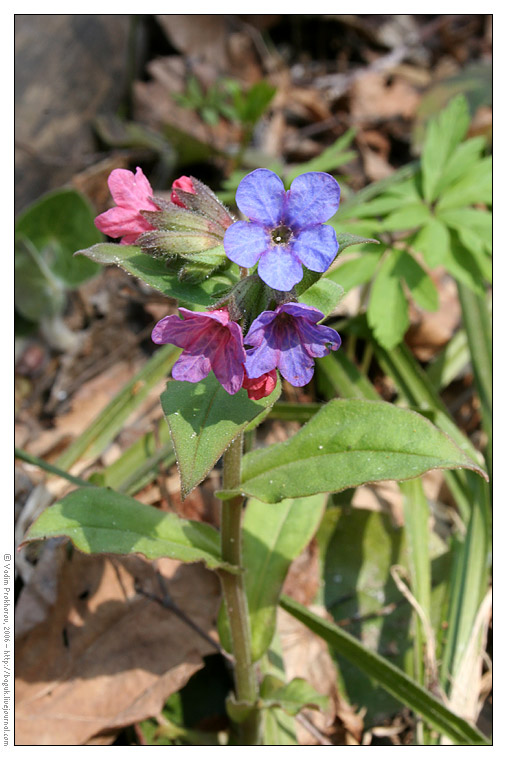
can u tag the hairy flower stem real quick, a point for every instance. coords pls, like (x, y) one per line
(235, 595)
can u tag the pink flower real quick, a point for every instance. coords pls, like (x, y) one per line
(132, 194)
(185, 184)
(260, 387)
(211, 341)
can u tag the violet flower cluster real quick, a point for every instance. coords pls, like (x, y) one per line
(285, 231)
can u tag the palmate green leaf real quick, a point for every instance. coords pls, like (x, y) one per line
(272, 539)
(476, 186)
(330, 158)
(443, 136)
(204, 419)
(391, 678)
(100, 520)
(472, 219)
(413, 215)
(356, 271)
(387, 313)
(464, 158)
(433, 241)
(154, 272)
(417, 280)
(57, 223)
(347, 443)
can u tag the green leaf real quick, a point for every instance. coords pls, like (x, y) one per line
(38, 294)
(461, 162)
(256, 101)
(330, 158)
(56, 224)
(344, 378)
(413, 215)
(346, 239)
(356, 271)
(154, 272)
(480, 223)
(476, 186)
(388, 309)
(418, 282)
(433, 241)
(391, 678)
(324, 295)
(100, 520)
(204, 419)
(347, 443)
(292, 697)
(443, 136)
(272, 538)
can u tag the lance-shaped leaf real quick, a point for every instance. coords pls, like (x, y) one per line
(349, 442)
(204, 419)
(154, 272)
(100, 520)
(391, 678)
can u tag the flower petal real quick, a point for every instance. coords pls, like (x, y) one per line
(244, 242)
(117, 222)
(318, 340)
(262, 359)
(313, 198)
(255, 335)
(179, 332)
(261, 197)
(131, 191)
(228, 359)
(295, 364)
(316, 247)
(279, 268)
(302, 311)
(191, 368)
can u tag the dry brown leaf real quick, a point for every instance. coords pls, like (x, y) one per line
(372, 99)
(98, 656)
(430, 331)
(306, 655)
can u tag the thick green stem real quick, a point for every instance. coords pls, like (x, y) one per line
(235, 595)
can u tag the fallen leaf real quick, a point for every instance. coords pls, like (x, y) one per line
(372, 99)
(99, 656)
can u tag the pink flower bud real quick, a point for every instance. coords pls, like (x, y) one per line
(260, 387)
(185, 184)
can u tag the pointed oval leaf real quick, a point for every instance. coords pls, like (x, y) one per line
(154, 272)
(346, 444)
(100, 520)
(204, 419)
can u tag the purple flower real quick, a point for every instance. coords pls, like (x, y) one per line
(289, 338)
(210, 342)
(285, 229)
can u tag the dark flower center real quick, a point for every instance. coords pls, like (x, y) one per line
(281, 235)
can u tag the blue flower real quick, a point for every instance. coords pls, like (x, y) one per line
(286, 228)
(288, 338)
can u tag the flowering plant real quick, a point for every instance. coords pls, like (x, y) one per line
(252, 303)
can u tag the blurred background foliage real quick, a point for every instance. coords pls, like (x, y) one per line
(398, 109)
